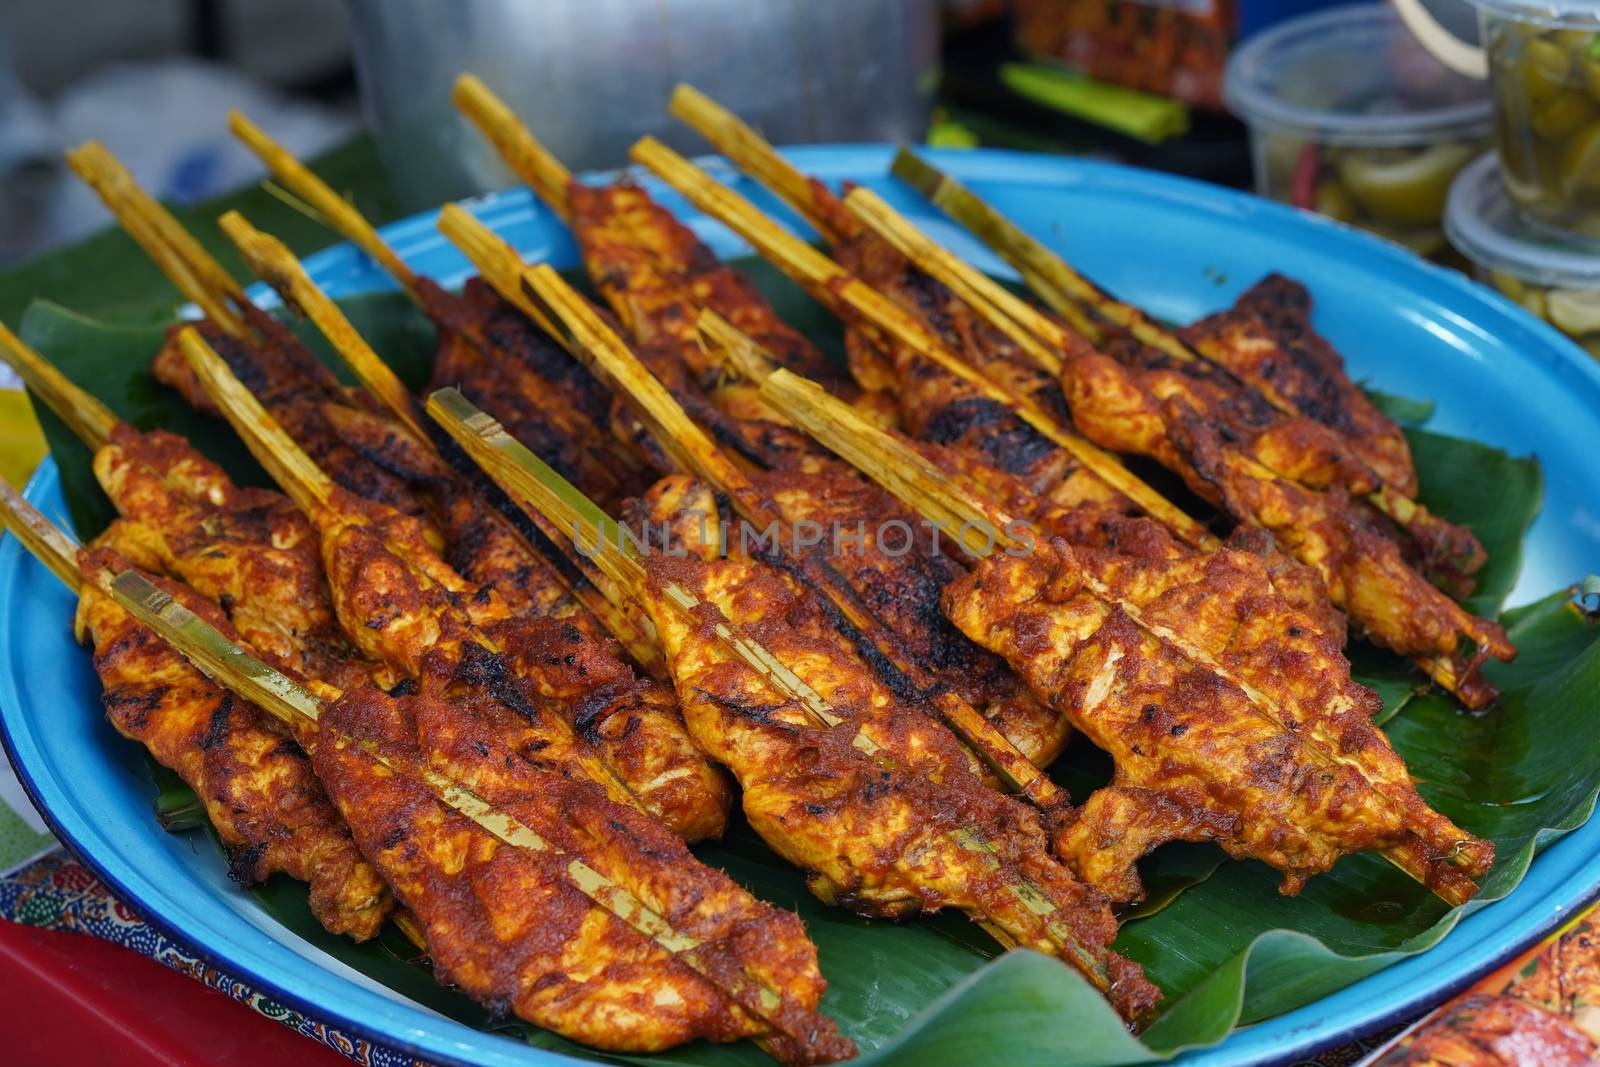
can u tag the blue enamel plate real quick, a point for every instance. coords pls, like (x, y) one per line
(1179, 248)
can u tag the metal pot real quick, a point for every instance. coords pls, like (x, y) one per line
(592, 76)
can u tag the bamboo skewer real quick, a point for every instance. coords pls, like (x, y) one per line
(85, 416)
(497, 262)
(339, 212)
(43, 539)
(311, 489)
(197, 275)
(1061, 287)
(529, 159)
(276, 265)
(837, 288)
(528, 479)
(1027, 327)
(1054, 280)
(294, 472)
(612, 361)
(941, 499)
(235, 669)
(752, 153)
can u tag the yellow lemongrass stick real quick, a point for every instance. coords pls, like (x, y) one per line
(339, 212)
(41, 537)
(274, 264)
(299, 476)
(536, 486)
(612, 361)
(1053, 279)
(832, 285)
(750, 152)
(1048, 274)
(529, 479)
(841, 291)
(85, 416)
(235, 669)
(1031, 330)
(497, 262)
(926, 488)
(275, 450)
(738, 350)
(527, 158)
(189, 266)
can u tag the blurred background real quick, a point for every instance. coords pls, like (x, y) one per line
(1339, 109)
(154, 80)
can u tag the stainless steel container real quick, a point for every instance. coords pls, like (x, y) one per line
(592, 76)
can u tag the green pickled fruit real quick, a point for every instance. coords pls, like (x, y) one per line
(1509, 284)
(1563, 116)
(1425, 241)
(1546, 66)
(1575, 312)
(1590, 76)
(1404, 188)
(1580, 161)
(1334, 201)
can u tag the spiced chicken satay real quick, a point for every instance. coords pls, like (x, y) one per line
(1438, 655)
(891, 598)
(532, 889)
(1230, 715)
(399, 602)
(378, 458)
(256, 786)
(515, 927)
(876, 800)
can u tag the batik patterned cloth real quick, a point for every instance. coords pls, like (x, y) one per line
(57, 892)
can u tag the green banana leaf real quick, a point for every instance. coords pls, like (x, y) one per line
(1217, 937)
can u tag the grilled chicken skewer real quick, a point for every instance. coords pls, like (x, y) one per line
(1364, 572)
(859, 584)
(258, 788)
(634, 725)
(1192, 429)
(1270, 320)
(644, 261)
(1229, 718)
(530, 887)
(402, 605)
(1258, 368)
(250, 550)
(868, 793)
(633, 722)
(485, 349)
(482, 343)
(656, 274)
(202, 280)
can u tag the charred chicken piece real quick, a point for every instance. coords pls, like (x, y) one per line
(399, 602)
(258, 788)
(249, 550)
(1230, 717)
(511, 925)
(1267, 341)
(885, 808)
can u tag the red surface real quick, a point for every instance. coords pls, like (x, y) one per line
(71, 999)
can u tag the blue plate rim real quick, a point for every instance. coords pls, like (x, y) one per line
(1276, 1040)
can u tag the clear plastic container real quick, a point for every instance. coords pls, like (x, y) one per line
(1554, 276)
(1350, 117)
(1544, 68)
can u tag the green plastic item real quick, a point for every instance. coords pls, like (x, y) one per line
(1144, 116)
